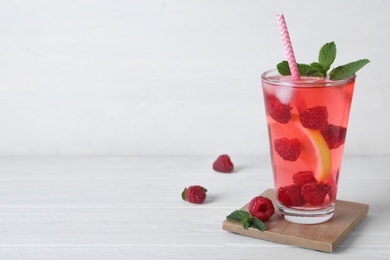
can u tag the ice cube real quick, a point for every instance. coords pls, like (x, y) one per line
(284, 94)
(270, 89)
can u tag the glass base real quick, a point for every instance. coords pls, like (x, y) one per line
(306, 216)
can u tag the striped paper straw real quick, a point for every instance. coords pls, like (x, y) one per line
(288, 47)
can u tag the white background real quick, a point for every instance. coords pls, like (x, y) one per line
(174, 77)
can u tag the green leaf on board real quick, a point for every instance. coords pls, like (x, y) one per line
(238, 215)
(246, 220)
(256, 223)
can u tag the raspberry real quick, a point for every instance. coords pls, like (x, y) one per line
(315, 118)
(315, 193)
(223, 164)
(334, 135)
(194, 194)
(261, 208)
(333, 188)
(303, 177)
(291, 196)
(277, 110)
(288, 149)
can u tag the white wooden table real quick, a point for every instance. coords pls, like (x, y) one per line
(130, 208)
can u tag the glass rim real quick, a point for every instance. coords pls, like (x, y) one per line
(265, 77)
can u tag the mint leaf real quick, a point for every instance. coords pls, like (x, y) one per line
(283, 68)
(304, 69)
(347, 70)
(316, 70)
(245, 224)
(256, 223)
(238, 215)
(327, 55)
(319, 69)
(317, 66)
(246, 220)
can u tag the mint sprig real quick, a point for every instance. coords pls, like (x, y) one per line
(246, 220)
(326, 57)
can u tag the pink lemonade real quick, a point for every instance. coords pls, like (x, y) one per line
(307, 123)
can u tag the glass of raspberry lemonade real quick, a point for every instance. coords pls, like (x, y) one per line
(307, 125)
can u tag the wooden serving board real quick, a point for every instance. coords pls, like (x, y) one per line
(322, 237)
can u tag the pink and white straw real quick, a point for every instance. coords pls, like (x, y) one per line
(288, 47)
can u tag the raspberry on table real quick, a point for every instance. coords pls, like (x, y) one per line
(315, 118)
(291, 195)
(261, 208)
(303, 177)
(223, 164)
(288, 149)
(194, 194)
(315, 193)
(334, 135)
(278, 111)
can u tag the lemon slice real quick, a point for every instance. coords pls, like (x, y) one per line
(322, 153)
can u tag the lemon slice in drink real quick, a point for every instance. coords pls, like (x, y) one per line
(315, 154)
(322, 153)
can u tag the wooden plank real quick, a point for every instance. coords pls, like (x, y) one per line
(323, 237)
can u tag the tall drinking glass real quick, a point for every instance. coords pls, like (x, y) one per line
(307, 125)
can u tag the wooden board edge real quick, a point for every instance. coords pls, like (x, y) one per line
(364, 212)
(237, 228)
